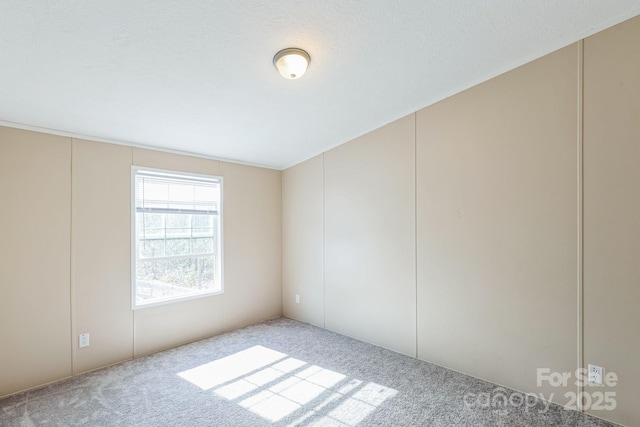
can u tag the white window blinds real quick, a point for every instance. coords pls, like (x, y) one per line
(165, 193)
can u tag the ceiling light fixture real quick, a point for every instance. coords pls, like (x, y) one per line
(292, 62)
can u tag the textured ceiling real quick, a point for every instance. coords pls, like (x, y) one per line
(196, 76)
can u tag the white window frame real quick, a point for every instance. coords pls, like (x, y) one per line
(134, 245)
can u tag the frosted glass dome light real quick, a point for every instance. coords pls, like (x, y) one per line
(292, 62)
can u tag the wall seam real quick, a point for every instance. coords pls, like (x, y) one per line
(72, 263)
(132, 284)
(324, 249)
(415, 217)
(282, 266)
(580, 214)
(222, 295)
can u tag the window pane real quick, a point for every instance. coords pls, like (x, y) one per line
(178, 225)
(150, 248)
(202, 232)
(178, 247)
(202, 246)
(152, 225)
(202, 225)
(165, 278)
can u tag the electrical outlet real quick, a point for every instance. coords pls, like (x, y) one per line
(297, 299)
(595, 374)
(83, 340)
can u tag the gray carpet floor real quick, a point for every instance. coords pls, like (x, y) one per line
(277, 373)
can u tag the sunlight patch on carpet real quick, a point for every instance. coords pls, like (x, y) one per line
(228, 368)
(274, 386)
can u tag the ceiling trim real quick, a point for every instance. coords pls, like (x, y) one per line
(129, 144)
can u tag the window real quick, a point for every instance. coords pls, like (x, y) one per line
(177, 237)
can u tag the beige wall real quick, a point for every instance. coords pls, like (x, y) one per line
(101, 263)
(370, 237)
(35, 320)
(252, 244)
(497, 226)
(612, 212)
(505, 208)
(72, 273)
(303, 241)
(349, 238)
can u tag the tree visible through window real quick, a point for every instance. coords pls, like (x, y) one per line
(177, 239)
